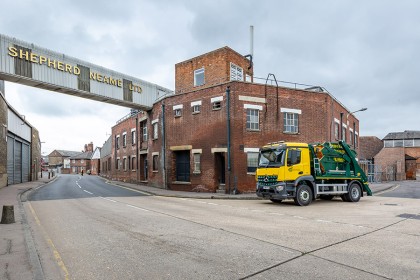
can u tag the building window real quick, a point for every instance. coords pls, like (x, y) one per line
(109, 164)
(133, 137)
(155, 131)
(124, 139)
(197, 163)
(82, 161)
(336, 130)
(143, 129)
(117, 142)
(236, 73)
(155, 162)
(73, 161)
(252, 119)
(355, 141)
(133, 163)
(125, 164)
(118, 164)
(291, 122)
(344, 132)
(199, 77)
(217, 105)
(252, 162)
(351, 138)
(178, 112)
(196, 109)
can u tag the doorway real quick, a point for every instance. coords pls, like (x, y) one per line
(220, 167)
(182, 163)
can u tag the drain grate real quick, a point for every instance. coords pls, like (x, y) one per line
(409, 216)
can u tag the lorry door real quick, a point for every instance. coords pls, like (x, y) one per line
(297, 163)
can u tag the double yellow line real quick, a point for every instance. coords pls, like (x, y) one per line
(57, 256)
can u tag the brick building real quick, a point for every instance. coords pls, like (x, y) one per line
(400, 156)
(56, 157)
(82, 161)
(95, 162)
(206, 136)
(369, 147)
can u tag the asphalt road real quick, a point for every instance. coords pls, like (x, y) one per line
(86, 229)
(405, 189)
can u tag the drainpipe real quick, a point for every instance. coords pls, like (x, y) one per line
(164, 147)
(228, 133)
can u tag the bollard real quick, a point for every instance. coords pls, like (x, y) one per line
(8, 215)
(49, 174)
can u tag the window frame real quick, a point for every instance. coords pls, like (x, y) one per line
(287, 125)
(155, 163)
(133, 137)
(197, 75)
(155, 131)
(251, 169)
(252, 125)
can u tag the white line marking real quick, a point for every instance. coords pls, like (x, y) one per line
(78, 185)
(87, 192)
(138, 208)
(211, 203)
(107, 199)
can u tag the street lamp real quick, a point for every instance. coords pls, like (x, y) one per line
(354, 124)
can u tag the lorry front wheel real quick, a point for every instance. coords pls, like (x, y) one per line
(354, 194)
(303, 195)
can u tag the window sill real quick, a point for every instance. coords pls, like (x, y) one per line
(291, 133)
(196, 172)
(216, 109)
(195, 113)
(250, 173)
(155, 171)
(181, 183)
(253, 130)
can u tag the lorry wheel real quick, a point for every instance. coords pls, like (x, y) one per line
(354, 192)
(275, 200)
(303, 195)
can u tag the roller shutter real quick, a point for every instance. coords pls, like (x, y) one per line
(26, 161)
(10, 161)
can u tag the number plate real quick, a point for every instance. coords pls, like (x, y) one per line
(266, 187)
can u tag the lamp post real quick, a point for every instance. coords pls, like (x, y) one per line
(354, 124)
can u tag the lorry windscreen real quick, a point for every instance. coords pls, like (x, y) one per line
(271, 157)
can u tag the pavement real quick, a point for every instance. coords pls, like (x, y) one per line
(19, 258)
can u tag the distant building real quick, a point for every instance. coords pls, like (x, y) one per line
(82, 161)
(95, 162)
(56, 157)
(369, 147)
(400, 157)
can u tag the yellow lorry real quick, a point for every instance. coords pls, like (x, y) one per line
(304, 172)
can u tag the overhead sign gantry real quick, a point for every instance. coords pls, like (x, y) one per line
(30, 65)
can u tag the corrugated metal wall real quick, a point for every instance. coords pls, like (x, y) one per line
(18, 160)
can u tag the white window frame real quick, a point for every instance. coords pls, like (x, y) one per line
(198, 72)
(216, 102)
(236, 72)
(197, 160)
(155, 130)
(252, 119)
(291, 115)
(124, 139)
(133, 136)
(254, 152)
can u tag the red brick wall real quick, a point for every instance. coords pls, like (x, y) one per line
(369, 147)
(216, 66)
(392, 157)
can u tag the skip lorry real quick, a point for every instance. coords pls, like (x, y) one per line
(304, 172)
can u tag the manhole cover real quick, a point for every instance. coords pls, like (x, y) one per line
(409, 216)
(391, 204)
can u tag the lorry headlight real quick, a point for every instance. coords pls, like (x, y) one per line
(279, 188)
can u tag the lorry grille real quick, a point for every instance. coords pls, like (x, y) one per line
(267, 180)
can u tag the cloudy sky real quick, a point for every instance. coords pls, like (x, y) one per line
(366, 53)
